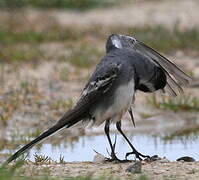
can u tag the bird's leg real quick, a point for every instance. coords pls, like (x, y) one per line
(113, 155)
(137, 154)
(131, 115)
(106, 129)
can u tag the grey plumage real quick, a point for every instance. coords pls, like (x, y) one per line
(128, 66)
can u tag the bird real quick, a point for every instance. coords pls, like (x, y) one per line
(128, 66)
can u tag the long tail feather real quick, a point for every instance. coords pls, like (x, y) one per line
(70, 118)
(34, 142)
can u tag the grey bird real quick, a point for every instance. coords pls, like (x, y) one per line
(128, 66)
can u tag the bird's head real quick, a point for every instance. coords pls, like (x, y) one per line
(118, 41)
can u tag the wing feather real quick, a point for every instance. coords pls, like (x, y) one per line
(175, 76)
(178, 74)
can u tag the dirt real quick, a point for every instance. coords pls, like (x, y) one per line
(183, 13)
(153, 170)
(138, 14)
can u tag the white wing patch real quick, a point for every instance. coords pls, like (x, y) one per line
(95, 85)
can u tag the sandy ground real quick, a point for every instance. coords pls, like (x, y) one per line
(153, 170)
(138, 13)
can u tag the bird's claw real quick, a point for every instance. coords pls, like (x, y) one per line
(113, 158)
(116, 160)
(137, 155)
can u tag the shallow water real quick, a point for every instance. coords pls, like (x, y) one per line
(83, 150)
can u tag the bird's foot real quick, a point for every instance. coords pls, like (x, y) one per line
(137, 155)
(114, 159)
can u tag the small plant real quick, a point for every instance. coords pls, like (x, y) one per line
(84, 56)
(77, 4)
(18, 54)
(10, 173)
(142, 177)
(193, 171)
(64, 73)
(145, 115)
(40, 159)
(187, 133)
(61, 159)
(185, 103)
(62, 104)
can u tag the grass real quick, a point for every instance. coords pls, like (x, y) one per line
(24, 46)
(17, 54)
(157, 37)
(9, 37)
(12, 100)
(68, 4)
(84, 56)
(62, 104)
(164, 40)
(41, 159)
(184, 103)
(184, 134)
(64, 73)
(145, 115)
(12, 174)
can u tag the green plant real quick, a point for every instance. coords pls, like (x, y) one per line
(40, 159)
(70, 4)
(84, 56)
(184, 102)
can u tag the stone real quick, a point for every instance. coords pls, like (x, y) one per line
(135, 168)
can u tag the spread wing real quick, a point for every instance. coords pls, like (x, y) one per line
(175, 76)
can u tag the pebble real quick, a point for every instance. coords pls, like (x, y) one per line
(157, 158)
(186, 159)
(135, 168)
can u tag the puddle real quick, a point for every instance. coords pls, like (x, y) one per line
(83, 149)
(77, 146)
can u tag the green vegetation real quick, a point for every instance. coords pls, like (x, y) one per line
(187, 133)
(145, 115)
(84, 56)
(184, 102)
(9, 37)
(13, 100)
(19, 54)
(62, 104)
(157, 37)
(40, 159)
(165, 40)
(69, 4)
(24, 45)
(64, 73)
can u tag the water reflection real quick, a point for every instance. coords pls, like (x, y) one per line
(83, 149)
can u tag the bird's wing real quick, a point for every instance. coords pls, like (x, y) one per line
(175, 76)
(99, 84)
(94, 89)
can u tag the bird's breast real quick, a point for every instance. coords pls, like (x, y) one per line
(119, 102)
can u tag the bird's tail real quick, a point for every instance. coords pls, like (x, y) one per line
(70, 118)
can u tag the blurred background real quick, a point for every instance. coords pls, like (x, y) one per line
(49, 48)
